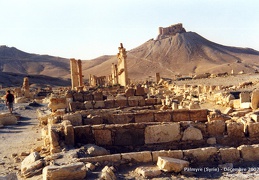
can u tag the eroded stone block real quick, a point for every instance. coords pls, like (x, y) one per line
(200, 154)
(171, 164)
(162, 116)
(216, 127)
(103, 137)
(144, 156)
(144, 117)
(249, 152)
(229, 155)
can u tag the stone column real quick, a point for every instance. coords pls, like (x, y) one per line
(157, 77)
(80, 76)
(26, 87)
(122, 66)
(74, 73)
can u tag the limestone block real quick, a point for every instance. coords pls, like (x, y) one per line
(201, 154)
(141, 102)
(255, 99)
(69, 135)
(94, 150)
(8, 119)
(144, 156)
(76, 106)
(109, 103)
(88, 97)
(228, 110)
(216, 128)
(53, 136)
(106, 158)
(245, 105)
(64, 172)
(255, 117)
(107, 174)
(57, 103)
(192, 133)
(253, 129)
(144, 117)
(99, 105)
(132, 102)
(21, 100)
(162, 116)
(26, 163)
(235, 103)
(32, 169)
(90, 166)
(178, 154)
(162, 133)
(103, 137)
(121, 118)
(249, 152)
(75, 119)
(198, 115)
(140, 91)
(88, 105)
(129, 136)
(121, 103)
(180, 115)
(229, 155)
(235, 129)
(245, 97)
(83, 134)
(150, 101)
(171, 164)
(212, 141)
(93, 120)
(129, 92)
(148, 171)
(78, 97)
(98, 96)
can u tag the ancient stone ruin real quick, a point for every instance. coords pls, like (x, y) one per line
(170, 31)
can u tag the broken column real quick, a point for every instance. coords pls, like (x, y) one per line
(122, 66)
(26, 87)
(76, 73)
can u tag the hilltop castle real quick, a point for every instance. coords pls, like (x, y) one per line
(170, 31)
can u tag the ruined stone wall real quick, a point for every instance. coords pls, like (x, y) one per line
(170, 31)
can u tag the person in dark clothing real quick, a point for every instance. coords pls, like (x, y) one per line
(9, 99)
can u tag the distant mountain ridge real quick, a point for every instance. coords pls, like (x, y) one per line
(177, 53)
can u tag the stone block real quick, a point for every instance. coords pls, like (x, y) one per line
(245, 105)
(150, 101)
(198, 115)
(75, 119)
(121, 118)
(69, 135)
(167, 164)
(144, 117)
(249, 152)
(178, 154)
(144, 156)
(129, 137)
(98, 96)
(121, 103)
(88, 105)
(103, 137)
(162, 117)
(76, 106)
(192, 134)
(109, 103)
(201, 154)
(229, 155)
(216, 128)
(8, 119)
(78, 97)
(180, 115)
(212, 141)
(162, 133)
(133, 102)
(107, 173)
(255, 117)
(140, 91)
(255, 99)
(253, 130)
(245, 97)
(228, 110)
(99, 104)
(148, 171)
(142, 102)
(106, 158)
(83, 135)
(57, 103)
(235, 103)
(64, 172)
(93, 120)
(88, 97)
(130, 92)
(235, 129)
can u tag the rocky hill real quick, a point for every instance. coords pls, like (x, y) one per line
(174, 52)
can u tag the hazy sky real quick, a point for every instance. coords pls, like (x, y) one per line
(86, 29)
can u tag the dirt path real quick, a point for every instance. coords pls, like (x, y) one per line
(18, 139)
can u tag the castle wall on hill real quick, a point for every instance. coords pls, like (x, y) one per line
(170, 31)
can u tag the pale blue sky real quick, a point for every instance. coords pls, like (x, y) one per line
(86, 29)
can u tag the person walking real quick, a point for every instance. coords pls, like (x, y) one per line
(9, 99)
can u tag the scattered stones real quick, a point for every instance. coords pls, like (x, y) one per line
(148, 171)
(107, 174)
(167, 164)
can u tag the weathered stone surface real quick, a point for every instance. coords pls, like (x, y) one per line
(229, 155)
(216, 127)
(228, 110)
(83, 134)
(121, 103)
(148, 171)
(103, 137)
(198, 115)
(98, 96)
(8, 119)
(78, 97)
(249, 152)
(212, 141)
(94, 150)
(144, 156)
(30, 164)
(129, 136)
(178, 154)
(107, 174)
(255, 117)
(253, 129)
(235, 129)
(180, 115)
(171, 164)
(89, 104)
(192, 133)
(134, 100)
(72, 171)
(93, 120)
(162, 133)
(121, 118)
(88, 97)
(255, 99)
(75, 119)
(162, 116)
(129, 92)
(109, 158)
(150, 101)
(245, 97)
(57, 103)
(200, 154)
(140, 91)
(90, 166)
(69, 135)
(99, 105)
(109, 103)
(144, 117)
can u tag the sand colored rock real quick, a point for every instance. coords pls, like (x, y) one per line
(171, 164)
(255, 99)
(148, 171)
(192, 133)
